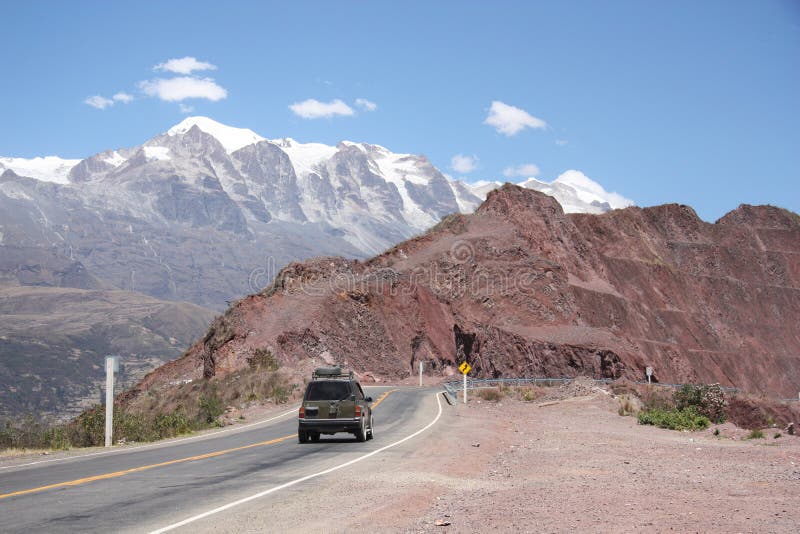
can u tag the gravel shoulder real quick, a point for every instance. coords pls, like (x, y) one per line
(572, 465)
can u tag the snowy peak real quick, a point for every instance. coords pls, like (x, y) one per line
(229, 137)
(305, 156)
(46, 169)
(576, 192)
(590, 191)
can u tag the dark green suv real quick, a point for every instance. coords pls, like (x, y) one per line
(334, 402)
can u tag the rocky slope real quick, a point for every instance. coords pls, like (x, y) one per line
(521, 289)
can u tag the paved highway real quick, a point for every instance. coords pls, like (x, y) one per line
(180, 484)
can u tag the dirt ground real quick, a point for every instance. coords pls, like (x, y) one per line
(573, 465)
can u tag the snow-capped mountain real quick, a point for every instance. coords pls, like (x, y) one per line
(47, 169)
(192, 213)
(576, 192)
(370, 195)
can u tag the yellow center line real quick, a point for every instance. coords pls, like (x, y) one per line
(124, 472)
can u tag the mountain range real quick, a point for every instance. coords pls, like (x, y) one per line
(203, 213)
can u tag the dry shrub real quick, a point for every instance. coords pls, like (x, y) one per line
(490, 394)
(529, 394)
(656, 398)
(629, 405)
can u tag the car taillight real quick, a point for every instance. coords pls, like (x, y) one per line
(358, 411)
(302, 412)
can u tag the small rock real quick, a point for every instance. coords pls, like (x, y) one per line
(476, 444)
(441, 523)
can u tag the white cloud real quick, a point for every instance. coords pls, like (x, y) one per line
(561, 142)
(123, 97)
(99, 102)
(526, 170)
(183, 87)
(184, 65)
(509, 120)
(366, 105)
(464, 164)
(314, 109)
(185, 109)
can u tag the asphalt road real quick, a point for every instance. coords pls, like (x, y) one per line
(146, 489)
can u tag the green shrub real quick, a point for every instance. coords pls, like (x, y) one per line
(708, 400)
(755, 434)
(777, 435)
(32, 433)
(210, 407)
(685, 419)
(172, 424)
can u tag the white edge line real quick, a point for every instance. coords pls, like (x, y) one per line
(156, 444)
(302, 479)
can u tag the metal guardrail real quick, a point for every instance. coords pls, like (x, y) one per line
(453, 386)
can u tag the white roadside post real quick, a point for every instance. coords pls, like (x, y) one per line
(112, 365)
(420, 374)
(649, 371)
(465, 368)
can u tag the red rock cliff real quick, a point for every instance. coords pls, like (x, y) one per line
(521, 289)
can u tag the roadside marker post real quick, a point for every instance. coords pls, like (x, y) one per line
(649, 371)
(465, 368)
(420, 374)
(112, 365)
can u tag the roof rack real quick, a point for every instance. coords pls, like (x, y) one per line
(331, 372)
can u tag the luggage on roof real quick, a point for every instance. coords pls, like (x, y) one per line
(331, 372)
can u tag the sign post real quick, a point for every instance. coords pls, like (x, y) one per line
(649, 371)
(112, 365)
(420, 374)
(465, 368)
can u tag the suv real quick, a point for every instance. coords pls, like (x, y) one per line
(334, 402)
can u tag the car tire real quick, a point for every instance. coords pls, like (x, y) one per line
(314, 436)
(361, 433)
(302, 436)
(371, 430)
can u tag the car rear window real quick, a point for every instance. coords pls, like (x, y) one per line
(333, 390)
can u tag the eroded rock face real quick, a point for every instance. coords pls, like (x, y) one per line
(521, 289)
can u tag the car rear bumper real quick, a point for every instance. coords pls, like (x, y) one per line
(329, 425)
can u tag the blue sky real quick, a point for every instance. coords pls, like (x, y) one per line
(684, 101)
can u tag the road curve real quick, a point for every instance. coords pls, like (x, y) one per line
(150, 488)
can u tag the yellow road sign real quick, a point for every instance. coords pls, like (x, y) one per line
(465, 367)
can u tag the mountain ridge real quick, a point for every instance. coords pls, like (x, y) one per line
(519, 288)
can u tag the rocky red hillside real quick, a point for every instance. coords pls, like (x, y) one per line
(521, 289)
